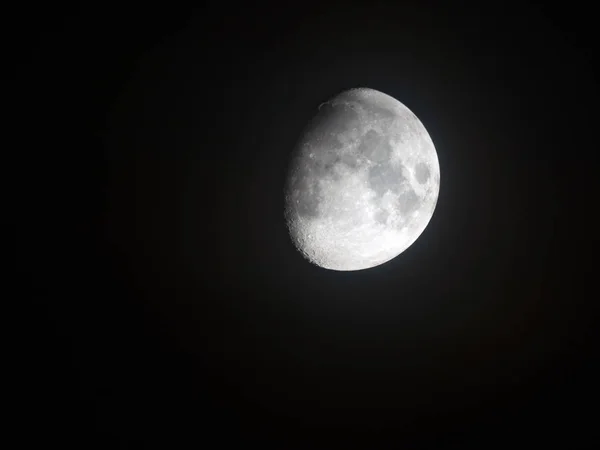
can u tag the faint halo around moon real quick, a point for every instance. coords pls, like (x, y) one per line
(363, 182)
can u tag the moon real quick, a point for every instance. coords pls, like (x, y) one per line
(363, 182)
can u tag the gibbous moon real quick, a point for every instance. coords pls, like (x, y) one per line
(363, 182)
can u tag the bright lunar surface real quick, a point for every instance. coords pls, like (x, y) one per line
(363, 182)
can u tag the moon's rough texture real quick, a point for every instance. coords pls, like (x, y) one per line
(363, 182)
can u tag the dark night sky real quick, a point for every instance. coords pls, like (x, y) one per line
(166, 305)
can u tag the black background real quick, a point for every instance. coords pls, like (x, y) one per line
(165, 304)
